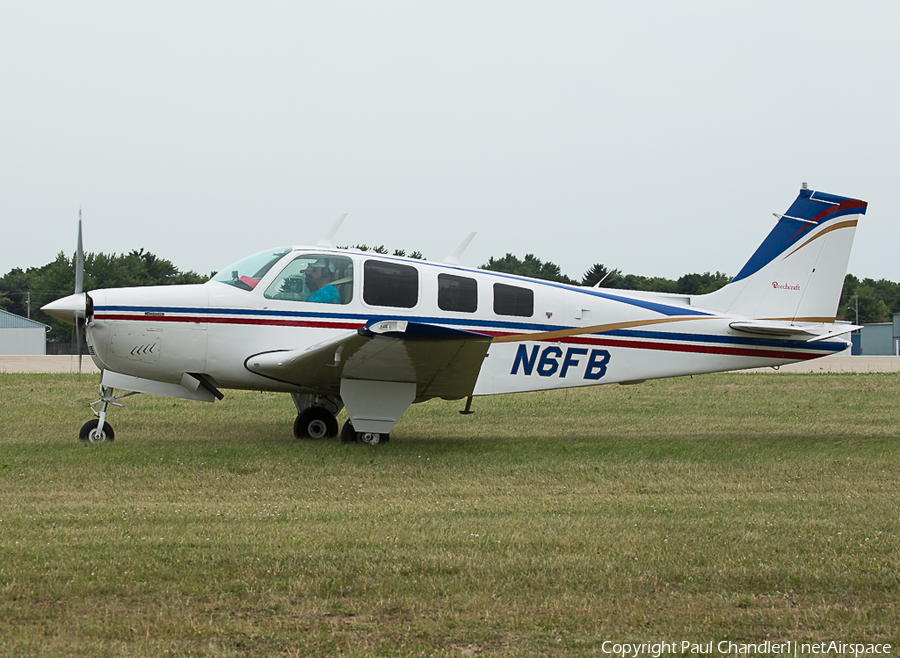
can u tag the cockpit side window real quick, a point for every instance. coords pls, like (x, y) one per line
(247, 272)
(316, 278)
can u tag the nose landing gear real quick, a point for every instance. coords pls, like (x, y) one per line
(92, 433)
(98, 430)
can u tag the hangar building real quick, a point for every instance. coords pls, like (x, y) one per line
(21, 337)
(878, 339)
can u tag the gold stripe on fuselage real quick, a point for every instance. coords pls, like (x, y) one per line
(595, 329)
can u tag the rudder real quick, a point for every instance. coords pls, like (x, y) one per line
(797, 273)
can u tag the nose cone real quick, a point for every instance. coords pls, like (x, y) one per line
(67, 308)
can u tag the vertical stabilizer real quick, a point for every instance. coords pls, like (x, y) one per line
(797, 273)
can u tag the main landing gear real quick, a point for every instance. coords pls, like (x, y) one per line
(317, 419)
(350, 435)
(98, 430)
(316, 416)
(315, 423)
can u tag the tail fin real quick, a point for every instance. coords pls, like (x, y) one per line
(797, 273)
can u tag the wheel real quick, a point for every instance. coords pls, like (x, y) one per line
(90, 434)
(315, 423)
(373, 438)
(350, 435)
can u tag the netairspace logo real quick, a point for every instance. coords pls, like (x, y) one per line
(729, 648)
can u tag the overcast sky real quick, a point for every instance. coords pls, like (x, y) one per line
(653, 137)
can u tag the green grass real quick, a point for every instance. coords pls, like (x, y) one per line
(743, 507)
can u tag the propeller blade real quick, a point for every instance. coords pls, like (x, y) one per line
(79, 323)
(79, 289)
(79, 260)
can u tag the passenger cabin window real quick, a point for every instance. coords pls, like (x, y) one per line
(315, 278)
(457, 293)
(512, 300)
(390, 284)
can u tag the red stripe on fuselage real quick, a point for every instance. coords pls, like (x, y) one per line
(317, 324)
(677, 347)
(698, 349)
(578, 340)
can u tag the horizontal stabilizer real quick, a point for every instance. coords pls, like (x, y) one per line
(812, 332)
(844, 329)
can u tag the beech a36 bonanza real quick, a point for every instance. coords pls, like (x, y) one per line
(373, 333)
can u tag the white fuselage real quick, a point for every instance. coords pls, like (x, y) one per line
(570, 336)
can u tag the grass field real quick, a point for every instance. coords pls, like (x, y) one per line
(742, 507)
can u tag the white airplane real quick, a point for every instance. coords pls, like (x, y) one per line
(373, 333)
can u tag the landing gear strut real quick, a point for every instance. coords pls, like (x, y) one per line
(98, 430)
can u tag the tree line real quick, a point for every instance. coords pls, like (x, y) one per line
(863, 301)
(23, 292)
(689, 284)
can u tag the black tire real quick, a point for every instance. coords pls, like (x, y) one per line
(106, 435)
(315, 423)
(350, 435)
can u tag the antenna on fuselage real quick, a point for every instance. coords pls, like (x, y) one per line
(453, 258)
(605, 277)
(325, 242)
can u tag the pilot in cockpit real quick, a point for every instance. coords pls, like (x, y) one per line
(318, 281)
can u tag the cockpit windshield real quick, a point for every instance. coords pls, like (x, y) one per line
(247, 272)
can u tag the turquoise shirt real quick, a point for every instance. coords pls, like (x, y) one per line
(325, 295)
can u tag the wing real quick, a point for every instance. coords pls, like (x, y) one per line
(442, 362)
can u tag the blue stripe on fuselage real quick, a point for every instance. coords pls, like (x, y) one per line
(489, 325)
